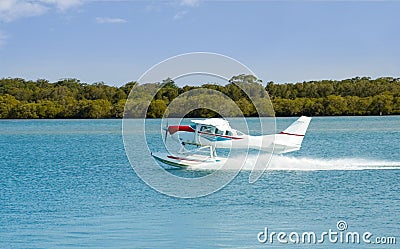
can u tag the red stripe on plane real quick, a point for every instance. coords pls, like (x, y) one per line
(291, 134)
(175, 128)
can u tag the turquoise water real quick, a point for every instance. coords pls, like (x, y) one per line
(69, 184)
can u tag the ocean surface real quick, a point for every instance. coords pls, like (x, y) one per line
(69, 184)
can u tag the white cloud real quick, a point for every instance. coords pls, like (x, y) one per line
(63, 4)
(11, 10)
(102, 20)
(190, 3)
(185, 4)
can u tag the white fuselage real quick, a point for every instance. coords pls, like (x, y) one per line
(218, 134)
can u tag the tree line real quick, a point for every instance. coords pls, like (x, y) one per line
(70, 98)
(356, 96)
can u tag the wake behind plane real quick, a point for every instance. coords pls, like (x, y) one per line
(213, 133)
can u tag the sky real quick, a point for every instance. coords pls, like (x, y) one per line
(117, 41)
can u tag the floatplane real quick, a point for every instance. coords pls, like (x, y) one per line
(213, 133)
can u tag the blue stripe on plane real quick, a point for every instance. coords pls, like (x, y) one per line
(215, 138)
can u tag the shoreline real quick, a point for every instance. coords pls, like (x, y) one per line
(325, 116)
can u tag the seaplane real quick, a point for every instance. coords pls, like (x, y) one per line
(208, 135)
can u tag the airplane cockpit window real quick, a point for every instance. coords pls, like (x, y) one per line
(228, 133)
(207, 129)
(219, 132)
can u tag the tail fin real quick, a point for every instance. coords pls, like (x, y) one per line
(298, 128)
(291, 138)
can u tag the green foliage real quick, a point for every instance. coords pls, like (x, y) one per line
(7, 105)
(156, 108)
(70, 98)
(117, 110)
(356, 96)
(66, 98)
(99, 108)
